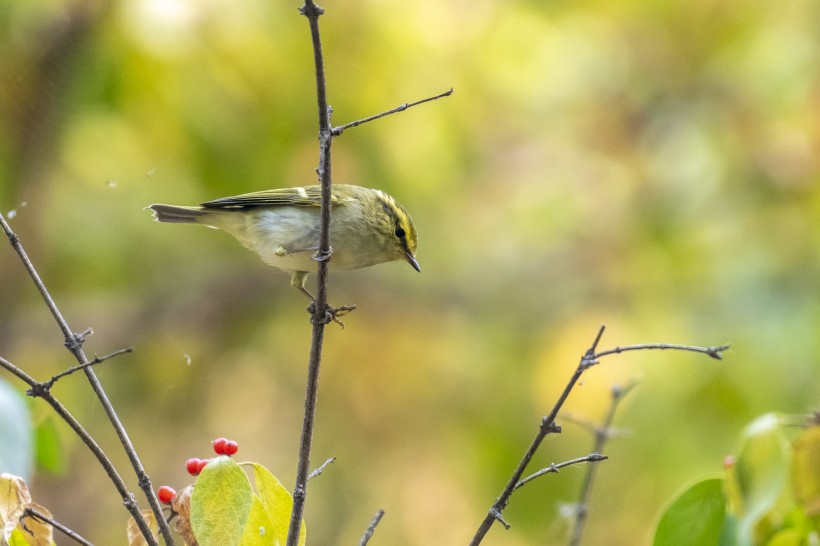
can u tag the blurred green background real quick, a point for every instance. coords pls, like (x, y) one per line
(648, 165)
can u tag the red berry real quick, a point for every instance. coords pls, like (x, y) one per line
(166, 494)
(192, 466)
(201, 465)
(219, 445)
(231, 447)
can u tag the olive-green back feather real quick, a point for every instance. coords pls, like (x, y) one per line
(307, 196)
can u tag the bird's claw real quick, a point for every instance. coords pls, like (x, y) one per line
(331, 313)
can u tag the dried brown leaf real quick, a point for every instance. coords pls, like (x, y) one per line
(182, 506)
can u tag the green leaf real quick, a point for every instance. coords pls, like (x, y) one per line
(696, 516)
(277, 501)
(48, 449)
(762, 474)
(788, 537)
(220, 503)
(806, 470)
(16, 455)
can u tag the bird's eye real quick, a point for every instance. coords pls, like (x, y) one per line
(400, 232)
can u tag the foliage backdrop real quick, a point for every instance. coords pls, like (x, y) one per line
(650, 165)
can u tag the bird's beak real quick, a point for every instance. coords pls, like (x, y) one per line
(412, 261)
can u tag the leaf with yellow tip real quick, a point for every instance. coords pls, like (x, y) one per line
(277, 501)
(260, 530)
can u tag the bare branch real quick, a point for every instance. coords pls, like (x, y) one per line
(321, 469)
(320, 311)
(74, 343)
(95, 361)
(715, 352)
(34, 514)
(602, 434)
(589, 359)
(554, 468)
(401, 108)
(39, 390)
(370, 528)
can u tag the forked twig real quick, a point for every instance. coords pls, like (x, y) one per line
(96, 360)
(548, 425)
(74, 343)
(321, 313)
(318, 318)
(38, 389)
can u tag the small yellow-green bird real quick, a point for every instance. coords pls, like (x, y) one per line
(367, 227)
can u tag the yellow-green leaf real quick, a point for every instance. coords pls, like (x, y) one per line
(806, 470)
(220, 503)
(762, 472)
(18, 538)
(277, 501)
(14, 497)
(260, 530)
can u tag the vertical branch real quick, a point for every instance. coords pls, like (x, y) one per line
(318, 308)
(74, 343)
(602, 434)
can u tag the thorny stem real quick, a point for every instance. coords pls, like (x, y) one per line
(589, 359)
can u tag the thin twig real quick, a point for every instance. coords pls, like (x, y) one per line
(715, 352)
(370, 528)
(321, 469)
(401, 108)
(74, 343)
(319, 307)
(602, 434)
(38, 390)
(34, 514)
(555, 467)
(94, 362)
(589, 359)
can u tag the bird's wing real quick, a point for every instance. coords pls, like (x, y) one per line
(307, 196)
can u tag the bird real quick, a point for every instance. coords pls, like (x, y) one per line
(367, 227)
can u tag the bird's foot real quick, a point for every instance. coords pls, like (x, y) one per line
(331, 313)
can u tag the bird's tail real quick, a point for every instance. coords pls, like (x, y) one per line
(177, 215)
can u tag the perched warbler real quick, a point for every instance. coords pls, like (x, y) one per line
(367, 227)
